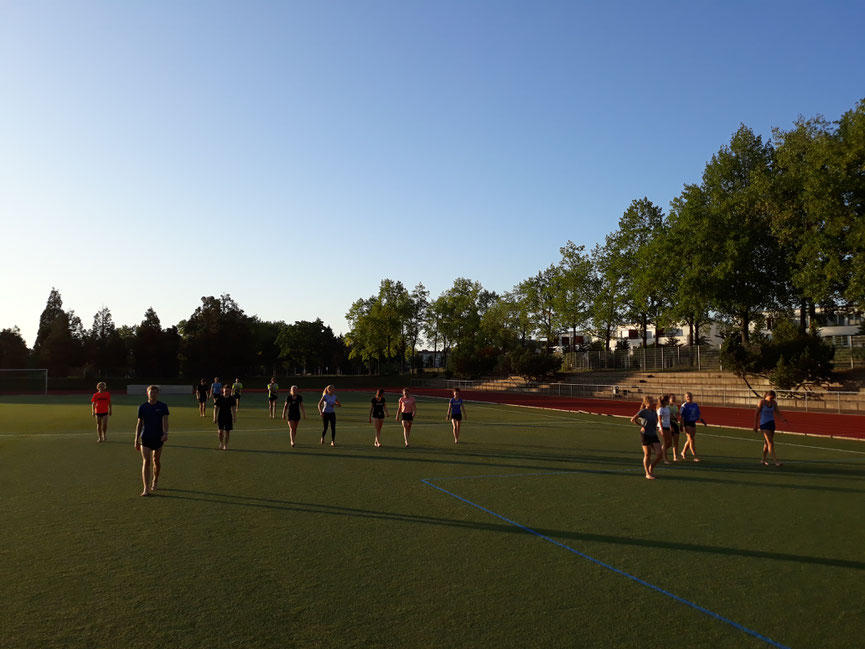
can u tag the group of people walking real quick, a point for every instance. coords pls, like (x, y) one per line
(661, 420)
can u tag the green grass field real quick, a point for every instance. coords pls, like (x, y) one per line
(269, 546)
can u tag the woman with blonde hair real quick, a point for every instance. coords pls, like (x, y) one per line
(764, 417)
(647, 419)
(293, 408)
(100, 407)
(406, 411)
(326, 408)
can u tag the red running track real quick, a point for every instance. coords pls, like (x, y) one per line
(807, 423)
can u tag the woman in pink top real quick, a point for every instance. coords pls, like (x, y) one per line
(406, 411)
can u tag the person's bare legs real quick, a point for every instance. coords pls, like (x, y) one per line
(457, 425)
(676, 457)
(769, 447)
(659, 453)
(157, 465)
(146, 454)
(292, 430)
(226, 434)
(219, 434)
(646, 466)
(665, 444)
(406, 431)
(377, 423)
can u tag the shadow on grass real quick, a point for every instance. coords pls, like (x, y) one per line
(422, 519)
(623, 467)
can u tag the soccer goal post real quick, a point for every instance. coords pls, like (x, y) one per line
(21, 381)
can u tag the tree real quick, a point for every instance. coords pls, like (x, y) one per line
(539, 296)
(608, 289)
(746, 274)
(308, 345)
(572, 300)
(416, 313)
(60, 339)
(156, 351)
(13, 350)
(104, 346)
(267, 350)
(381, 324)
(217, 339)
(637, 258)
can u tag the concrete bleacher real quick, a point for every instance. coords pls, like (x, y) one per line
(708, 387)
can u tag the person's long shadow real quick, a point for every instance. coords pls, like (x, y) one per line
(423, 519)
(611, 466)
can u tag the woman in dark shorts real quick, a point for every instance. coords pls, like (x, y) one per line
(224, 416)
(100, 407)
(406, 412)
(456, 413)
(647, 419)
(378, 411)
(272, 396)
(201, 391)
(764, 417)
(151, 432)
(292, 411)
(690, 413)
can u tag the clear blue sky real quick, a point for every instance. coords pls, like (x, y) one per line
(293, 154)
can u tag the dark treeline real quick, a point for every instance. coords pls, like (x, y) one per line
(217, 337)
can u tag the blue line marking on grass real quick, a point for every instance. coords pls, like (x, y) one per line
(607, 566)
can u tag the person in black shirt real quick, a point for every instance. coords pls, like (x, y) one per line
(151, 432)
(378, 411)
(224, 416)
(201, 391)
(293, 408)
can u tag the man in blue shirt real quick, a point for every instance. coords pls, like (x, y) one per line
(151, 432)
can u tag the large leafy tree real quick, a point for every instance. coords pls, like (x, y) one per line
(608, 286)
(382, 324)
(218, 339)
(539, 296)
(104, 345)
(59, 343)
(309, 346)
(13, 350)
(575, 289)
(747, 272)
(156, 351)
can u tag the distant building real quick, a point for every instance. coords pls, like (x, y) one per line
(431, 359)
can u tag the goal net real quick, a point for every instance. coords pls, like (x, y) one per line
(16, 381)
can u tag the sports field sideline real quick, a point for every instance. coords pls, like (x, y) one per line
(537, 530)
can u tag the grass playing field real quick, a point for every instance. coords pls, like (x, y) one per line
(495, 542)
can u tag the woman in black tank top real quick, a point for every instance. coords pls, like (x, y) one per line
(377, 413)
(293, 408)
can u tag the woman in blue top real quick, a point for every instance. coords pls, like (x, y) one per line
(456, 413)
(328, 414)
(764, 417)
(647, 419)
(690, 413)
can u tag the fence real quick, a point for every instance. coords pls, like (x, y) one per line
(849, 352)
(645, 359)
(830, 401)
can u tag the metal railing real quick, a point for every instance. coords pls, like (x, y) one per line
(829, 401)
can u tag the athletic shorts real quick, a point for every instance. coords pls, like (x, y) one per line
(457, 416)
(100, 415)
(225, 425)
(648, 440)
(381, 416)
(273, 397)
(689, 424)
(769, 426)
(236, 396)
(202, 399)
(408, 416)
(153, 443)
(674, 426)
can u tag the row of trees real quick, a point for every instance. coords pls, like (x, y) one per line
(773, 227)
(218, 337)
